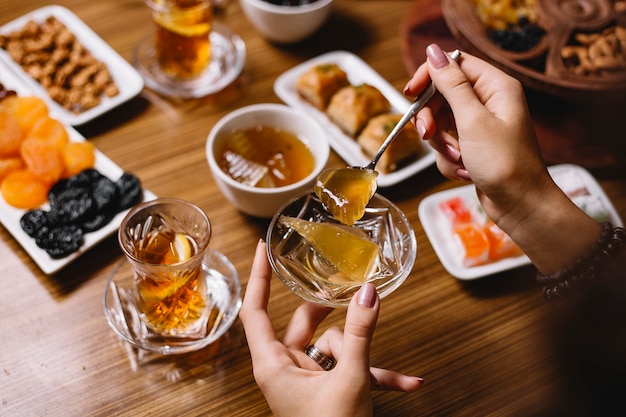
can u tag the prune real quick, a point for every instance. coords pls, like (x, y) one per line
(96, 222)
(80, 204)
(85, 178)
(105, 194)
(518, 38)
(74, 206)
(60, 241)
(129, 188)
(33, 221)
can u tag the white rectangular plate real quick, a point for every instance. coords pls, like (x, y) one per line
(128, 81)
(567, 176)
(358, 73)
(10, 216)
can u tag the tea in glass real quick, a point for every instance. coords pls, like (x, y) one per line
(165, 241)
(182, 44)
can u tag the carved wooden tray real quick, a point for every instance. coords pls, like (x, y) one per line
(542, 68)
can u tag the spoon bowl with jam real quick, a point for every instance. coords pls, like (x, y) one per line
(345, 192)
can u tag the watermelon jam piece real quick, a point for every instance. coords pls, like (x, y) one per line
(455, 211)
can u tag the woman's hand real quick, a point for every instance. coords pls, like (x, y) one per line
(482, 131)
(294, 384)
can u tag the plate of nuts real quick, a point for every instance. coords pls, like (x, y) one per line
(66, 63)
(570, 48)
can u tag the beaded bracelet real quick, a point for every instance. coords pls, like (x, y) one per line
(587, 268)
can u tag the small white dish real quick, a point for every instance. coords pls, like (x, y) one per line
(358, 73)
(228, 56)
(568, 177)
(263, 202)
(128, 81)
(10, 216)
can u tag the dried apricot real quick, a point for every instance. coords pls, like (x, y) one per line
(50, 129)
(78, 156)
(24, 190)
(28, 111)
(10, 135)
(8, 165)
(43, 158)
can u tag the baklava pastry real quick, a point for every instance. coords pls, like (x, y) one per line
(406, 147)
(353, 106)
(320, 82)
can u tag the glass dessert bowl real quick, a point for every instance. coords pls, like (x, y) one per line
(326, 262)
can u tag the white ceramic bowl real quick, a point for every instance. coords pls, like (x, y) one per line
(264, 202)
(286, 24)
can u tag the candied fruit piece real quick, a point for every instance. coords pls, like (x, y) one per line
(345, 193)
(24, 190)
(78, 156)
(347, 249)
(455, 211)
(500, 244)
(43, 158)
(10, 135)
(472, 243)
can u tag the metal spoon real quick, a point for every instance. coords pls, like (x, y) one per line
(346, 192)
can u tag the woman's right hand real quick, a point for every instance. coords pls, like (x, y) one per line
(481, 128)
(482, 131)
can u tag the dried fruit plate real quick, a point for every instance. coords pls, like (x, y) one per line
(10, 216)
(574, 180)
(127, 79)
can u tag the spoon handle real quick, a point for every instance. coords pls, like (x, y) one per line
(415, 107)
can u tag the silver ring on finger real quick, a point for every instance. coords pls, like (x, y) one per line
(326, 362)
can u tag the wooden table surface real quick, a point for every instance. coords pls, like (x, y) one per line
(481, 345)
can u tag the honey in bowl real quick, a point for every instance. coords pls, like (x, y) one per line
(265, 157)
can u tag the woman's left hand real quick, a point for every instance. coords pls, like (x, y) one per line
(292, 382)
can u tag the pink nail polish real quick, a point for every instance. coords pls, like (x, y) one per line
(454, 153)
(436, 55)
(421, 129)
(463, 174)
(367, 295)
(406, 88)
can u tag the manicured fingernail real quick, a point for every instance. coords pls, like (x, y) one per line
(463, 174)
(454, 153)
(406, 88)
(367, 295)
(438, 58)
(421, 128)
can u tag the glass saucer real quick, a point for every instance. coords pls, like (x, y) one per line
(228, 54)
(223, 288)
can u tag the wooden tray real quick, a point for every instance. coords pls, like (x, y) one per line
(542, 68)
(569, 131)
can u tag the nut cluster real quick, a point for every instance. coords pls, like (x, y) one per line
(597, 53)
(51, 54)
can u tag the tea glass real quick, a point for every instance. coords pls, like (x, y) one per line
(182, 43)
(172, 294)
(189, 55)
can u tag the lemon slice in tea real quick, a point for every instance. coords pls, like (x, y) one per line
(349, 250)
